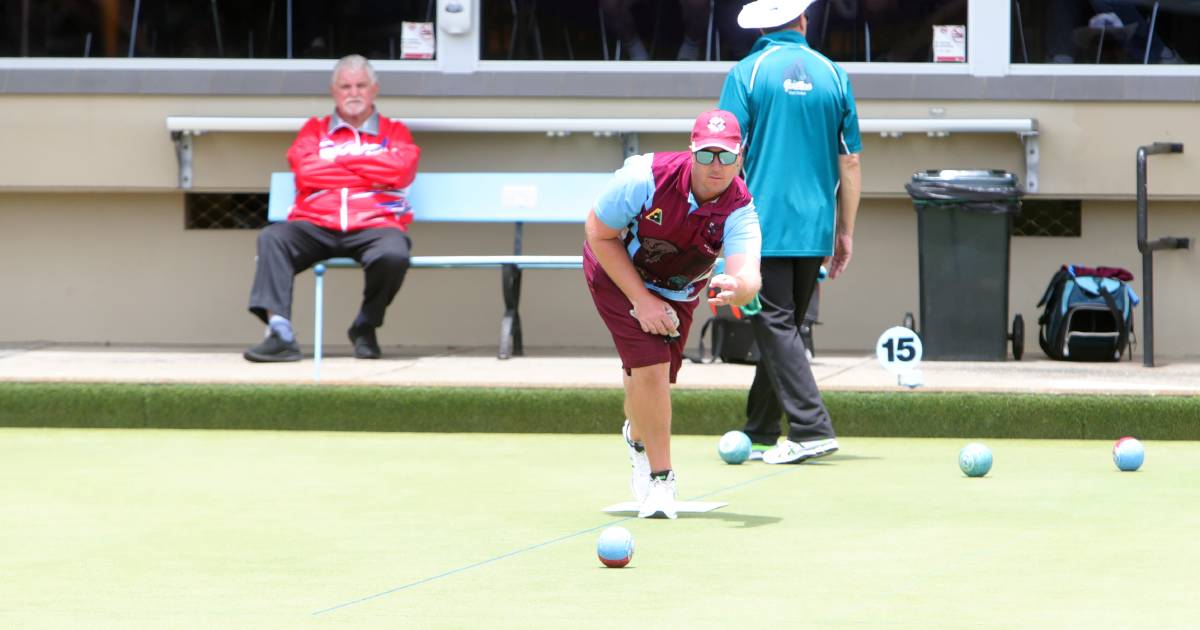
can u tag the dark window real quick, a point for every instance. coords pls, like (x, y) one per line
(844, 30)
(1049, 217)
(1105, 31)
(881, 30)
(323, 29)
(224, 211)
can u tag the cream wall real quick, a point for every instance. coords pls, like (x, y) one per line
(119, 268)
(120, 142)
(93, 247)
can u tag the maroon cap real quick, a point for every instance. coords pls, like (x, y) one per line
(717, 128)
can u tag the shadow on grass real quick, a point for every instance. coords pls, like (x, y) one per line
(833, 459)
(744, 520)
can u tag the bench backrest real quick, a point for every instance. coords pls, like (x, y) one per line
(481, 197)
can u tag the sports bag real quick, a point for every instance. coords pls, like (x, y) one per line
(1088, 314)
(732, 334)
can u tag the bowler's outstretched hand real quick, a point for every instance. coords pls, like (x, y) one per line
(727, 287)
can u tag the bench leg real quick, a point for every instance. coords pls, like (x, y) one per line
(318, 318)
(510, 326)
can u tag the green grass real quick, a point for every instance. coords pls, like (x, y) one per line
(258, 529)
(499, 410)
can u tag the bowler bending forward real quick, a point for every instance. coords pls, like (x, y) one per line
(653, 240)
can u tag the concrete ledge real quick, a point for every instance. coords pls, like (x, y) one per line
(1039, 82)
(552, 368)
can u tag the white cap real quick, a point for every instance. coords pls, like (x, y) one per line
(771, 13)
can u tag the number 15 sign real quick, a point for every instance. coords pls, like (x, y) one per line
(899, 350)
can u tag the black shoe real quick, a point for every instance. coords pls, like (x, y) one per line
(365, 344)
(273, 350)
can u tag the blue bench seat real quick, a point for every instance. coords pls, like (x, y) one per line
(516, 198)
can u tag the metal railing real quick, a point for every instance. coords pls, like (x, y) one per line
(1147, 247)
(184, 128)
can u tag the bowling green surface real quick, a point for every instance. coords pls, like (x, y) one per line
(261, 529)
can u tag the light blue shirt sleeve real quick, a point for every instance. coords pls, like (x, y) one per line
(629, 192)
(742, 234)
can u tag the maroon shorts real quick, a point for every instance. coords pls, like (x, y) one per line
(636, 347)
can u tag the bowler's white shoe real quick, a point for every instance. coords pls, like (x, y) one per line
(789, 452)
(660, 501)
(639, 479)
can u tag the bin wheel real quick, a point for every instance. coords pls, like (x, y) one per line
(909, 322)
(1018, 337)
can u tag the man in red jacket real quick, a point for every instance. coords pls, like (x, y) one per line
(351, 170)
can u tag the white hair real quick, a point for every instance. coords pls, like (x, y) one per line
(353, 62)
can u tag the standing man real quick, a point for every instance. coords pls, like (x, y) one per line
(802, 165)
(652, 243)
(351, 171)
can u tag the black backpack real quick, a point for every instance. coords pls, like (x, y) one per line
(1088, 314)
(732, 336)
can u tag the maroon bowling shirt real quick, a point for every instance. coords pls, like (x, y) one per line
(672, 242)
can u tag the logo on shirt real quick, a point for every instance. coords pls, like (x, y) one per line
(330, 150)
(655, 216)
(653, 250)
(796, 80)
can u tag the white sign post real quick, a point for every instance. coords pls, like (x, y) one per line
(899, 351)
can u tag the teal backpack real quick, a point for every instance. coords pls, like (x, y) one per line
(1088, 314)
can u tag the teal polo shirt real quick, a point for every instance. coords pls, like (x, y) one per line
(797, 114)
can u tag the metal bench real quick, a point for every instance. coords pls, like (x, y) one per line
(516, 198)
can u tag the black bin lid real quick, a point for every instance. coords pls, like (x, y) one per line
(986, 178)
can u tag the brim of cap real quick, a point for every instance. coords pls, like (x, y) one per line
(762, 15)
(732, 147)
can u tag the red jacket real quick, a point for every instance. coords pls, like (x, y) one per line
(352, 179)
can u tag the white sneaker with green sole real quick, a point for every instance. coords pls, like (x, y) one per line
(789, 452)
(757, 450)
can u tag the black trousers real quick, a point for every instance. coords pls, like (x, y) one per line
(289, 247)
(783, 380)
